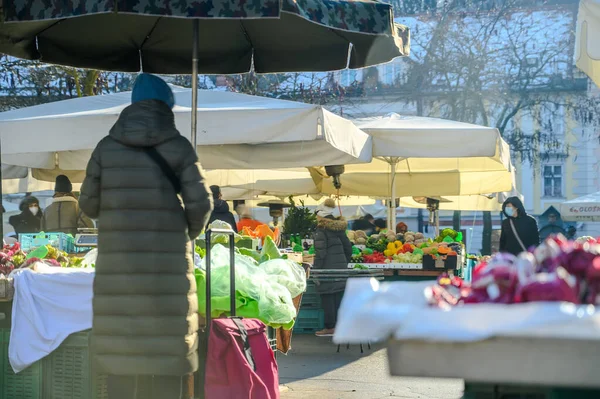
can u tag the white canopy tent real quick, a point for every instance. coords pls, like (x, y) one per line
(582, 209)
(416, 156)
(587, 45)
(306, 186)
(235, 131)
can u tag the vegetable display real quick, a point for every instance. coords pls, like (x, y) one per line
(409, 247)
(558, 270)
(12, 257)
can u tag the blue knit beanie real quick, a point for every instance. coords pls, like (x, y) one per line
(150, 87)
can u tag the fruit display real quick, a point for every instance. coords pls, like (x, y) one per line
(558, 270)
(13, 257)
(409, 247)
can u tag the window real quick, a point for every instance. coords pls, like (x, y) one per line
(553, 178)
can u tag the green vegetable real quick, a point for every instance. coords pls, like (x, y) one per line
(298, 248)
(361, 267)
(249, 252)
(200, 251)
(269, 250)
(367, 251)
(356, 251)
(311, 250)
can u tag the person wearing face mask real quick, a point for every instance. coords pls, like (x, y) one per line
(519, 230)
(30, 218)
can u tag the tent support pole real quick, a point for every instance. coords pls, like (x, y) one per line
(195, 56)
(392, 203)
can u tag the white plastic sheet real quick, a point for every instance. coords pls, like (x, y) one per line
(373, 311)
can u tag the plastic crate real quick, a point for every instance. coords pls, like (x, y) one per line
(311, 299)
(495, 391)
(62, 241)
(68, 371)
(25, 385)
(3, 359)
(309, 321)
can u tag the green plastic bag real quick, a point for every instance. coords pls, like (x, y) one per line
(259, 294)
(287, 273)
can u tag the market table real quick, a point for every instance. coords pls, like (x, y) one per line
(547, 367)
(541, 350)
(406, 271)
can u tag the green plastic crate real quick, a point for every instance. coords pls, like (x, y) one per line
(68, 371)
(311, 299)
(25, 385)
(2, 361)
(309, 321)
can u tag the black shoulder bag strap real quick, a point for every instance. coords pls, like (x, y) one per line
(165, 167)
(245, 342)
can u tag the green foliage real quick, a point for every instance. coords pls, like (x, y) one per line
(300, 220)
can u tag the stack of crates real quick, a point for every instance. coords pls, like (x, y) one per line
(68, 371)
(64, 374)
(25, 385)
(310, 318)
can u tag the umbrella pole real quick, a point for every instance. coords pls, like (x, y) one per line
(392, 202)
(195, 51)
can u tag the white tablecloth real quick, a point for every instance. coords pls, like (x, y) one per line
(49, 305)
(374, 311)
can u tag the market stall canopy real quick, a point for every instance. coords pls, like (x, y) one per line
(234, 35)
(426, 157)
(582, 209)
(235, 131)
(305, 185)
(587, 45)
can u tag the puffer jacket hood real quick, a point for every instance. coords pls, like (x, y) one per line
(516, 202)
(145, 124)
(332, 224)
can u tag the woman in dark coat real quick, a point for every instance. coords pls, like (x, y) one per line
(333, 250)
(30, 218)
(524, 225)
(145, 303)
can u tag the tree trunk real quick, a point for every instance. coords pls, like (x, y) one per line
(486, 241)
(456, 220)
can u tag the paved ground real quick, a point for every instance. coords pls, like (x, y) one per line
(314, 370)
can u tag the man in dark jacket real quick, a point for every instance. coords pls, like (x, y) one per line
(366, 224)
(221, 208)
(145, 303)
(333, 250)
(519, 230)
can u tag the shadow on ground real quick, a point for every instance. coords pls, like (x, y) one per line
(313, 369)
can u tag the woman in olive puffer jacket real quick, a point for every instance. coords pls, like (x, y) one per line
(145, 303)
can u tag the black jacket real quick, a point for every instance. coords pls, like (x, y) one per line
(525, 225)
(333, 250)
(221, 212)
(364, 225)
(25, 222)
